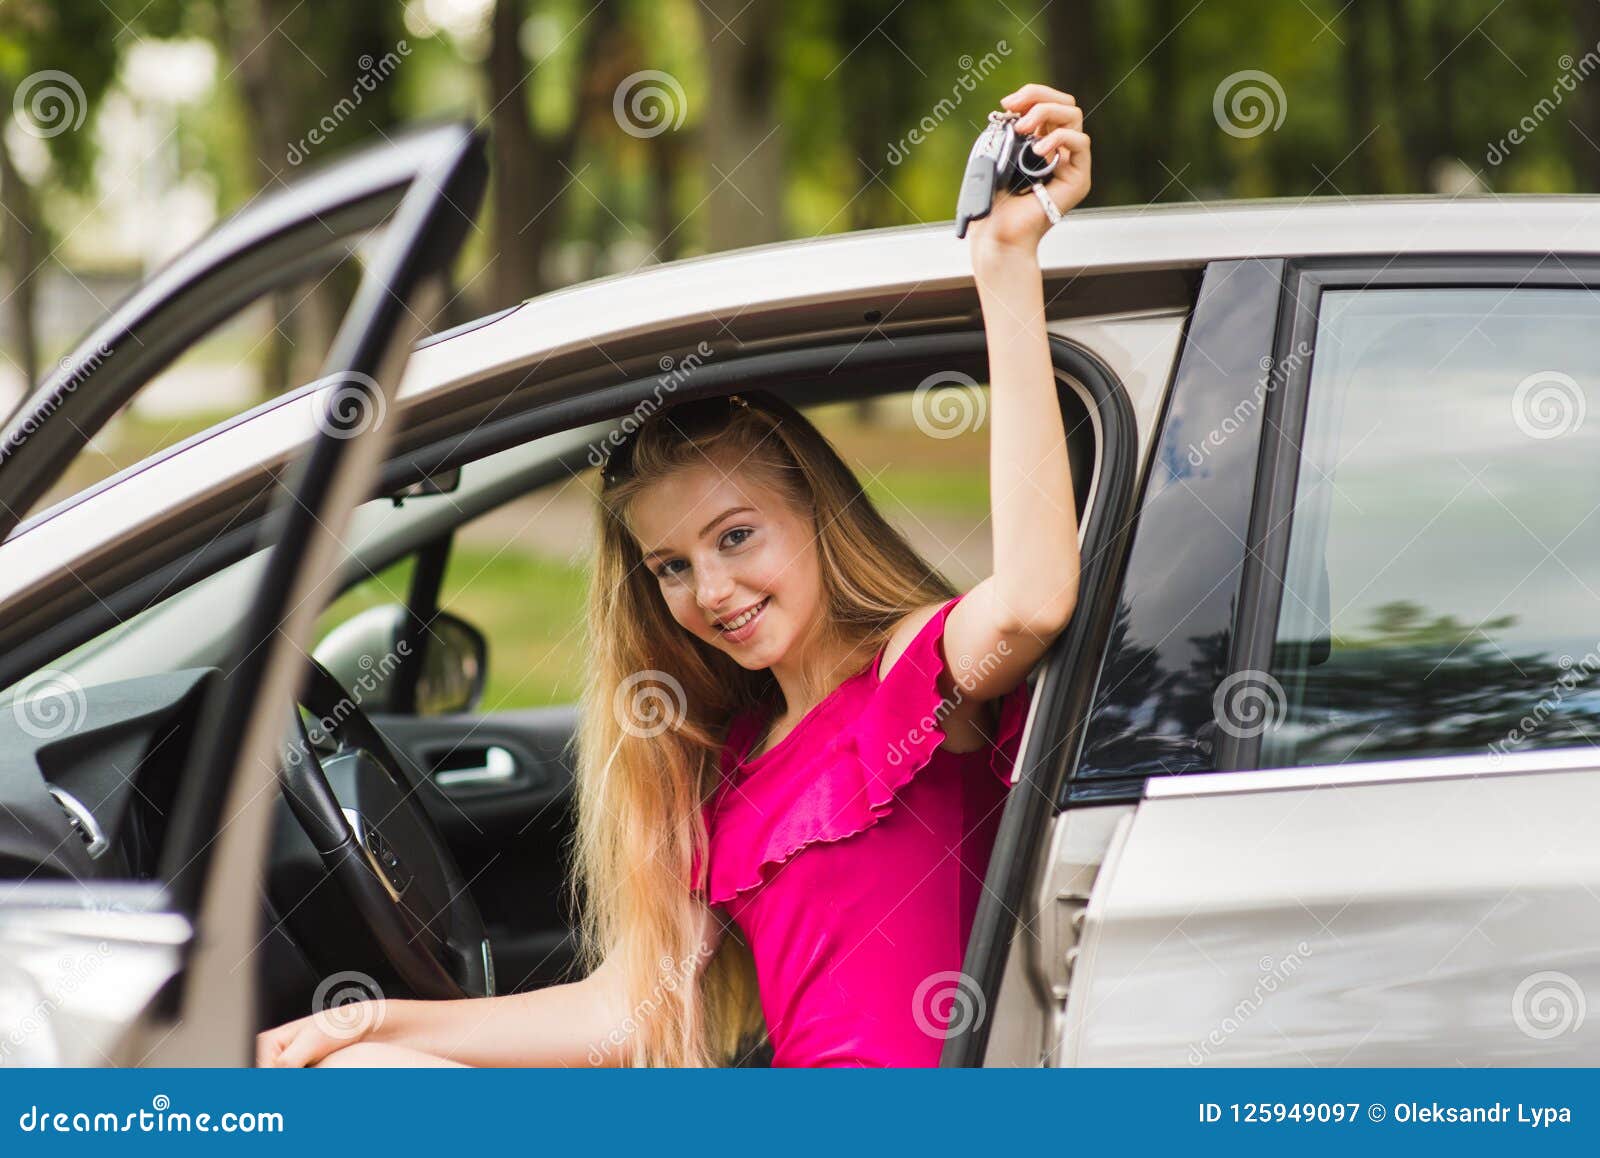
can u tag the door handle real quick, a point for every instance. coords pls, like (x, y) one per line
(498, 767)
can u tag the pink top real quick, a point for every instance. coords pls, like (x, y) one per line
(858, 942)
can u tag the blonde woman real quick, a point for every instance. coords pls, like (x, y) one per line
(795, 850)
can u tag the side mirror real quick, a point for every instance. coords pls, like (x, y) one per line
(372, 655)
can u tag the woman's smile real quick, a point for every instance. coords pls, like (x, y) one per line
(742, 626)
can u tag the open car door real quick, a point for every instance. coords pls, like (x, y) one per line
(169, 989)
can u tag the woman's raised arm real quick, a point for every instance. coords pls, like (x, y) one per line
(1005, 623)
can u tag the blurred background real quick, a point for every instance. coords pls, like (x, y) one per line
(629, 132)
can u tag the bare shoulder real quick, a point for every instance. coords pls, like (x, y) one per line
(904, 632)
(963, 719)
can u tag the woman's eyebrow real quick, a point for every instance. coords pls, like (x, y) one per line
(703, 530)
(719, 518)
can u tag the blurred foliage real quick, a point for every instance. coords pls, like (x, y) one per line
(1377, 96)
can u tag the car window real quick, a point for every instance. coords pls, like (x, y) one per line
(1442, 588)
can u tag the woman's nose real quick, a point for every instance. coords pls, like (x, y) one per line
(715, 585)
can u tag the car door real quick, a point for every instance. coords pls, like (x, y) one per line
(169, 991)
(1358, 774)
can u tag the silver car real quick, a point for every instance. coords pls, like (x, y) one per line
(1309, 780)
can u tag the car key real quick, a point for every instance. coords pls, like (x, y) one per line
(977, 186)
(999, 155)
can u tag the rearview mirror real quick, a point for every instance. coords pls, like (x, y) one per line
(375, 656)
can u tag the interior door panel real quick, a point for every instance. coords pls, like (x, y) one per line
(502, 795)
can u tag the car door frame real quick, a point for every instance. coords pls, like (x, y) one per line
(1180, 546)
(418, 185)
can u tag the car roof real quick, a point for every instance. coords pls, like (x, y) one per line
(840, 278)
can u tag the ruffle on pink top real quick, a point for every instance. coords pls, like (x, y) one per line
(846, 936)
(872, 735)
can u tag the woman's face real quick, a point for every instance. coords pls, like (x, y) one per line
(737, 566)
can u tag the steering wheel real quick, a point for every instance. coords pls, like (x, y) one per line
(360, 809)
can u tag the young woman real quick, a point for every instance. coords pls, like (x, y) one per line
(796, 738)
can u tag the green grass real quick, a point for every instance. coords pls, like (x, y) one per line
(388, 586)
(531, 609)
(948, 493)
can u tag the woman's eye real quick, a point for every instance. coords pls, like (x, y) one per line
(667, 569)
(742, 534)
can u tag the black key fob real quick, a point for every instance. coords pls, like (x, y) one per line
(978, 185)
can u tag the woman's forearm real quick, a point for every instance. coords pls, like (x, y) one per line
(575, 1024)
(1032, 507)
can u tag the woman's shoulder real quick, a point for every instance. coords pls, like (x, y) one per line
(911, 626)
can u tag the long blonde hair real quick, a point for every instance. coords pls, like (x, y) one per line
(657, 702)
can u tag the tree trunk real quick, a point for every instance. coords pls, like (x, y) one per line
(258, 37)
(883, 99)
(529, 174)
(1406, 108)
(21, 233)
(666, 164)
(1443, 41)
(1156, 159)
(1078, 50)
(1584, 136)
(743, 137)
(1363, 158)
(364, 35)
(514, 183)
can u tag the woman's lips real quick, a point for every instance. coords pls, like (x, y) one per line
(747, 629)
